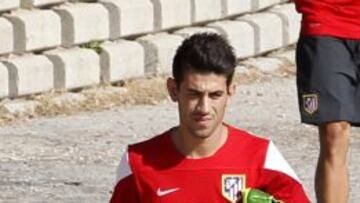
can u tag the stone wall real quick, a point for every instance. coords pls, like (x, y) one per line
(57, 45)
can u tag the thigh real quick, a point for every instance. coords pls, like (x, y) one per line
(327, 79)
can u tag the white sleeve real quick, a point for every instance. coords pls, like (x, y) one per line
(275, 161)
(123, 170)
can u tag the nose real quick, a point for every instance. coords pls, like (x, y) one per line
(203, 105)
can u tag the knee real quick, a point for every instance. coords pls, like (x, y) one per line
(334, 139)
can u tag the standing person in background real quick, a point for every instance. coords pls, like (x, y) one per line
(328, 72)
(202, 159)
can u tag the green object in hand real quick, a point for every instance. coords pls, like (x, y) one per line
(250, 195)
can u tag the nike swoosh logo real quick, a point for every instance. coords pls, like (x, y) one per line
(161, 193)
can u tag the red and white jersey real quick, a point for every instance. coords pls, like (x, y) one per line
(338, 18)
(155, 172)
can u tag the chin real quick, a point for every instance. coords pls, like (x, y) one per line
(202, 133)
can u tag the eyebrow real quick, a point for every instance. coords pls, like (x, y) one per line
(189, 89)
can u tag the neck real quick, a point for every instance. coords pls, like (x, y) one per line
(196, 147)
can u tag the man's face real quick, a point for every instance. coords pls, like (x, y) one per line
(202, 99)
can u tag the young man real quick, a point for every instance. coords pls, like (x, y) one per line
(203, 160)
(328, 67)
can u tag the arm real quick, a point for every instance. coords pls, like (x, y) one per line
(280, 179)
(125, 190)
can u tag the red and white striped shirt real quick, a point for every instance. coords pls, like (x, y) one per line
(155, 172)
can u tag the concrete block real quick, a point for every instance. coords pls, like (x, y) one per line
(291, 22)
(6, 5)
(268, 31)
(206, 10)
(83, 22)
(187, 32)
(4, 81)
(235, 7)
(125, 19)
(6, 36)
(261, 4)
(160, 50)
(241, 36)
(171, 13)
(35, 29)
(75, 68)
(29, 74)
(39, 3)
(120, 60)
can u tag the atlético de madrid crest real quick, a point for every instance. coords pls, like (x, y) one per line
(231, 185)
(310, 103)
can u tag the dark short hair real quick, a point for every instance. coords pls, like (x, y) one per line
(204, 53)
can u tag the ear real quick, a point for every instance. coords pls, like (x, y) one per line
(172, 89)
(231, 92)
(232, 89)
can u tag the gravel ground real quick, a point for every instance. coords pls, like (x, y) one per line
(73, 158)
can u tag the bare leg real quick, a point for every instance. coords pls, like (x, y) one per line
(331, 181)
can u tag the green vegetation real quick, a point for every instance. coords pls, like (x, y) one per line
(94, 45)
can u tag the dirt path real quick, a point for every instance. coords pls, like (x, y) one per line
(73, 158)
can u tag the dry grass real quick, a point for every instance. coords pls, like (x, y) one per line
(149, 90)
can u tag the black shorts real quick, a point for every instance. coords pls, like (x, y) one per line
(328, 79)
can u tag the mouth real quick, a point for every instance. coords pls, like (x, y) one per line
(202, 121)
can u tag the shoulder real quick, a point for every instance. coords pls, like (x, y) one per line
(155, 153)
(275, 161)
(151, 145)
(247, 138)
(261, 149)
(247, 147)
(134, 153)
